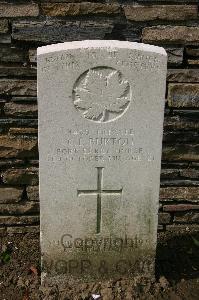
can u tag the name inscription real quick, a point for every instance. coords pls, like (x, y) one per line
(100, 145)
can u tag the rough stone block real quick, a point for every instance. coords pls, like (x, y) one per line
(193, 62)
(164, 218)
(10, 195)
(181, 122)
(19, 220)
(188, 217)
(180, 207)
(176, 228)
(85, 8)
(23, 229)
(183, 75)
(171, 34)
(189, 173)
(11, 10)
(33, 55)
(26, 99)
(18, 87)
(179, 193)
(181, 152)
(175, 55)
(20, 110)
(23, 131)
(27, 176)
(169, 173)
(12, 54)
(17, 147)
(11, 122)
(192, 51)
(13, 70)
(160, 12)
(3, 26)
(5, 163)
(59, 31)
(183, 95)
(33, 193)
(19, 209)
(5, 38)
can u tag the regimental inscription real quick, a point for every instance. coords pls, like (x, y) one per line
(101, 94)
(99, 192)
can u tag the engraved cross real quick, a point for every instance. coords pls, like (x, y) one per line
(99, 192)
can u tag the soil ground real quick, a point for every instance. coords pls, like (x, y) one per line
(177, 273)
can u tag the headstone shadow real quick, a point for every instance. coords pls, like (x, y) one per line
(178, 257)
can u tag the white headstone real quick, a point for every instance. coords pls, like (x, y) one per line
(101, 106)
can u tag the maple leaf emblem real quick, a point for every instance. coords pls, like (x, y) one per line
(102, 93)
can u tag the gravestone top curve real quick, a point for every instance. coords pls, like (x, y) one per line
(100, 44)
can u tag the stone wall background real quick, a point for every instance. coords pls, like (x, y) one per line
(25, 25)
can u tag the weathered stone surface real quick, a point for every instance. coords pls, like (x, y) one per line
(2, 104)
(189, 217)
(10, 10)
(160, 12)
(12, 54)
(181, 152)
(179, 193)
(107, 69)
(3, 26)
(17, 147)
(193, 62)
(10, 195)
(171, 34)
(128, 32)
(180, 122)
(2, 231)
(27, 176)
(85, 8)
(180, 207)
(33, 55)
(164, 218)
(19, 209)
(4, 123)
(10, 70)
(19, 220)
(190, 51)
(182, 228)
(183, 95)
(5, 163)
(175, 55)
(22, 131)
(33, 193)
(18, 87)
(183, 75)
(169, 173)
(54, 31)
(22, 229)
(20, 110)
(189, 173)
(179, 182)
(5, 38)
(179, 173)
(187, 137)
(160, 228)
(26, 99)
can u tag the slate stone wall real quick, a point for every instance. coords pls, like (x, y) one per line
(24, 25)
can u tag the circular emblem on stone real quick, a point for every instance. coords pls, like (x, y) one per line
(101, 94)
